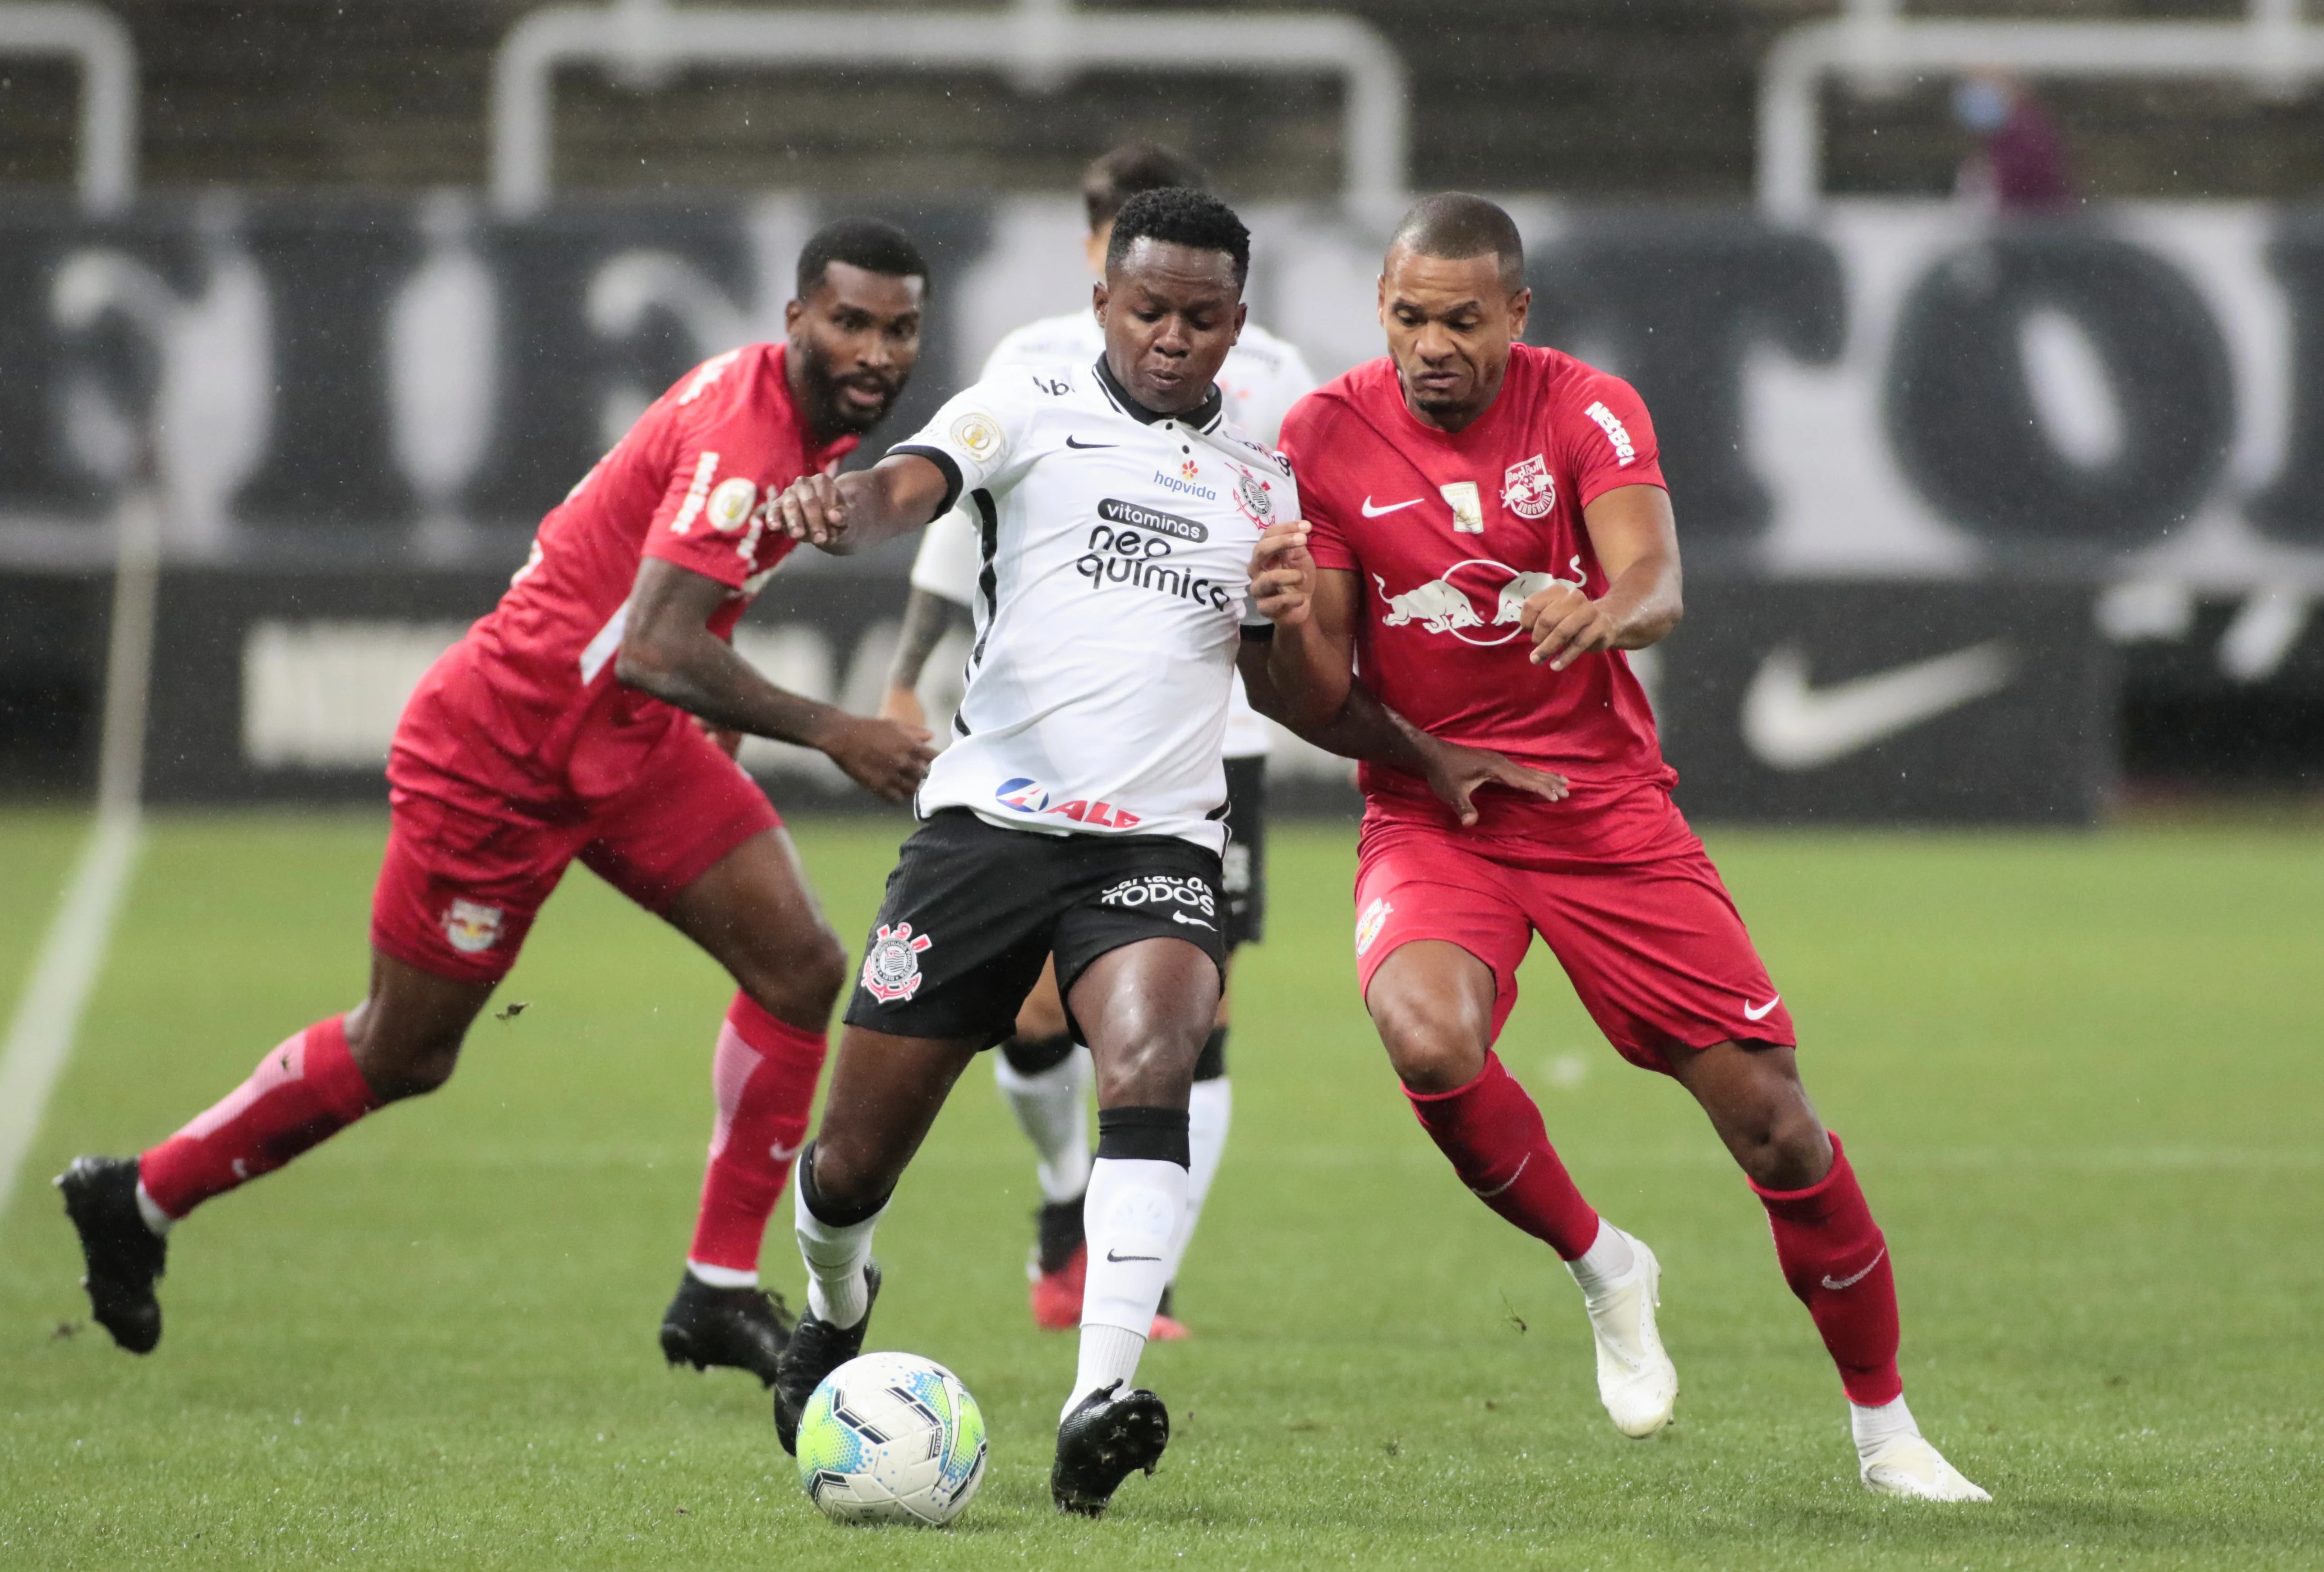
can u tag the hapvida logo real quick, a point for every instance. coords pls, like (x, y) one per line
(1185, 487)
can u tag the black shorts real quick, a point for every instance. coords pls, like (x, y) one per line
(1244, 867)
(973, 909)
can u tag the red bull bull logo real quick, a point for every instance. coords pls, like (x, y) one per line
(1451, 604)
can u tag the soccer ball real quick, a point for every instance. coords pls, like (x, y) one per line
(891, 1438)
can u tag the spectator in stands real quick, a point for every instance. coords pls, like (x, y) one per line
(2020, 165)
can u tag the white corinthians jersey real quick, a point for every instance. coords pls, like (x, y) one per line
(1262, 378)
(1112, 586)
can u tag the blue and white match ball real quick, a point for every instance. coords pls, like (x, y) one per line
(891, 1438)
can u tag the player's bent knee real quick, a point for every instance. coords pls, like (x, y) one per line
(392, 1079)
(802, 978)
(848, 1182)
(1429, 1054)
(1786, 1149)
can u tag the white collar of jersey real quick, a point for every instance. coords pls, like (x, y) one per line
(1204, 417)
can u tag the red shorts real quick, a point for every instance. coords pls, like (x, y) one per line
(466, 874)
(1647, 934)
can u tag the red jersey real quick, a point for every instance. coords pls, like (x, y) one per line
(526, 706)
(1451, 531)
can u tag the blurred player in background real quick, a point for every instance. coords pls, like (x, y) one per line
(593, 715)
(1043, 1074)
(1506, 504)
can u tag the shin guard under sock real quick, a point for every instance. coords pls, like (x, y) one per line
(306, 1091)
(1836, 1261)
(763, 1076)
(1137, 1199)
(1492, 1131)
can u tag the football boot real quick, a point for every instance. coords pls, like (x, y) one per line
(1909, 1467)
(1103, 1442)
(741, 1329)
(1636, 1381)
(816, 1348)
(124, 1257)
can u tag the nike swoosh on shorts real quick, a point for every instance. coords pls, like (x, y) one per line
(1759, 1012)
(1118, 1260)
(1189, 921)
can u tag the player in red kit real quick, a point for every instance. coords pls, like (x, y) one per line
(576, 720)
(1487, 532)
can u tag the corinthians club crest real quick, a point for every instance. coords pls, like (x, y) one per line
(891, 967)
(1253, 496)
(1529, 490)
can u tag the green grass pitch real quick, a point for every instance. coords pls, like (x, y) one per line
(2081, 1075)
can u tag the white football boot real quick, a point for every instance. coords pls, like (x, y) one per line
(1636, 1381)
(1907, 1466)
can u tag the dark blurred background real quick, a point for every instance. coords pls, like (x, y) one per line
(2030, 376)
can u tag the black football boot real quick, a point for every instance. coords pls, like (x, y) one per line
(123, 1256)
(1103, 1442)
(817, 1349)
(741, 1329)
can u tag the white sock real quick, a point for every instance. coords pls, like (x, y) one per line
(1209, 1109)
(1108, 1354)
(1875, 1428)
(158, 1220)
(1131, 1217)
(1052, 1109)
(1604, 1265)
(722, 1276)
(834, 1260)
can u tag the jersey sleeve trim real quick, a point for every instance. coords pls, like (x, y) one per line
(945, 465)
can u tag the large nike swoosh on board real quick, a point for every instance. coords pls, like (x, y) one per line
(1789, 726)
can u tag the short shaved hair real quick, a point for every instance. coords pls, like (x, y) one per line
(1455, 226)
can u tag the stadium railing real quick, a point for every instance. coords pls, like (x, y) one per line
(1873, 46)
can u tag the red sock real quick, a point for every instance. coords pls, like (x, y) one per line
(1834, 1257)
(764, 1077)
(302, 1094)
(1492, 1131)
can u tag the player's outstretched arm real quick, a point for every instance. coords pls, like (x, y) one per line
(846, 512)
(1635, 538)
(669, 650)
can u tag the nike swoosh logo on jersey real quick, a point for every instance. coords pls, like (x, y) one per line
(1118, 1260)
(1788, 724)
(1759, 1012)
(1071, 443)
(1189, 921)
(1395, 507)
(1836, 1283)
